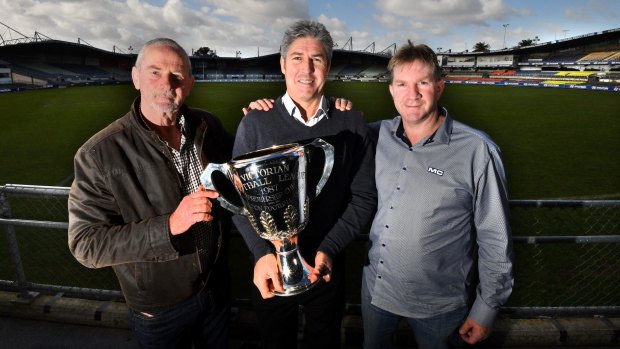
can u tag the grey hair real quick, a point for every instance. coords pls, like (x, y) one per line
(167, 43)
(307, 29)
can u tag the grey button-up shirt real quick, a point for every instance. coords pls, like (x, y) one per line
(436, 200)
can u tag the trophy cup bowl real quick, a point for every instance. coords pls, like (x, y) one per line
(272, 186)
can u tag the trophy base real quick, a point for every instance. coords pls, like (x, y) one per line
(294, 290)
(294, 271)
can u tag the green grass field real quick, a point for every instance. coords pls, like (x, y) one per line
(556, 143)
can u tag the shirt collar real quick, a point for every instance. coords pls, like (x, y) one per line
(181, 121)
(442, 135)
(291, 108)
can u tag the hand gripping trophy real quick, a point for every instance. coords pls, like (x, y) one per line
(272, 185)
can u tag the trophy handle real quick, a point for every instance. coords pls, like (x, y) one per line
(205, 179)
(328, 149)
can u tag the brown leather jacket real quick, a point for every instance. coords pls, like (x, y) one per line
(125, 189)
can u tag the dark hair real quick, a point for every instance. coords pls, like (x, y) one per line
(167, 43)
(410, 53)
(306, 28)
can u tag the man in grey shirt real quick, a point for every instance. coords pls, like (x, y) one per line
(442, 201)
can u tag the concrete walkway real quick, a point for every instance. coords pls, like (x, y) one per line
(57, 322)
(18, 333)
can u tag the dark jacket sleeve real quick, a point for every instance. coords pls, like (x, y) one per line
(361, 208)
(98, 234)
(373, 130)
(245, 141)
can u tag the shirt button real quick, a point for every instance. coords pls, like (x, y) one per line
(398, 188)
(410, 149)
(404, 168)
(381, 262)
(383, 245)
(379, 276)
(387, 226)
(391, 207)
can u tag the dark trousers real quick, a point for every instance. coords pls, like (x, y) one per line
(323, 308)
(201, 321)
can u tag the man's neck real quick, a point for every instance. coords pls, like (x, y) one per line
(416, 132)
(164, 124)
(158, 118)
(308, 109)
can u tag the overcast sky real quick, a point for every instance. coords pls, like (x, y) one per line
(254, 27)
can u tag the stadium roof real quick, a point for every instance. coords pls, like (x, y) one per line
(556, 45)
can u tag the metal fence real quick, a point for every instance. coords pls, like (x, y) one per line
(567, 253)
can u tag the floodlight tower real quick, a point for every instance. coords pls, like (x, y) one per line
(505, 26)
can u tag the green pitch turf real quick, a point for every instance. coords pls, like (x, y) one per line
(556, 143)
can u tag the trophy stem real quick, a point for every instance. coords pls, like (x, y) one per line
(294, 270)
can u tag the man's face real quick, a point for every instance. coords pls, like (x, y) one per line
(415, 91)
(163, 78)
(305, 69)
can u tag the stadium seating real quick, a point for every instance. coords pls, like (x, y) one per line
(590, 61)
(596, 57)
(615, 57)
(374, 71)
(564, 58)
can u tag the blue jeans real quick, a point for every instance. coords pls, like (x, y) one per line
(199, 321)
(437, 332)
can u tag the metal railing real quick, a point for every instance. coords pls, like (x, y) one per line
(567, 253)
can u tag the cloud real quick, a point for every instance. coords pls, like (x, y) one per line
(259, 11)
(591, 11)
(243, 25)
(449, 12)
(577, 13)
(389, 21)
(424, 21)
(226, 26)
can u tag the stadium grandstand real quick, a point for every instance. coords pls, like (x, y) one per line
(590, 61)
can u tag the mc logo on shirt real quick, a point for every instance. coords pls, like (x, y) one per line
(435, 171)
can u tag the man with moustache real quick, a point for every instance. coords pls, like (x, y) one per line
(137, 205)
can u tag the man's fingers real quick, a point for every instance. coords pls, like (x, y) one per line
(264, 104)
(265, 289)
(202, 217)
(268, 103)
(342, 104)
(472, 332)
(201, 192)
(267, 285)
(325, 272)
(259, 104)
(277, 283)
(327, 277)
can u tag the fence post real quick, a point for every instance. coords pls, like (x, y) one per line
(24, 295)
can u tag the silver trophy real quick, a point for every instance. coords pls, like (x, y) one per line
(272, 187)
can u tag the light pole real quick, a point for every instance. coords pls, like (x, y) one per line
(505, 26)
